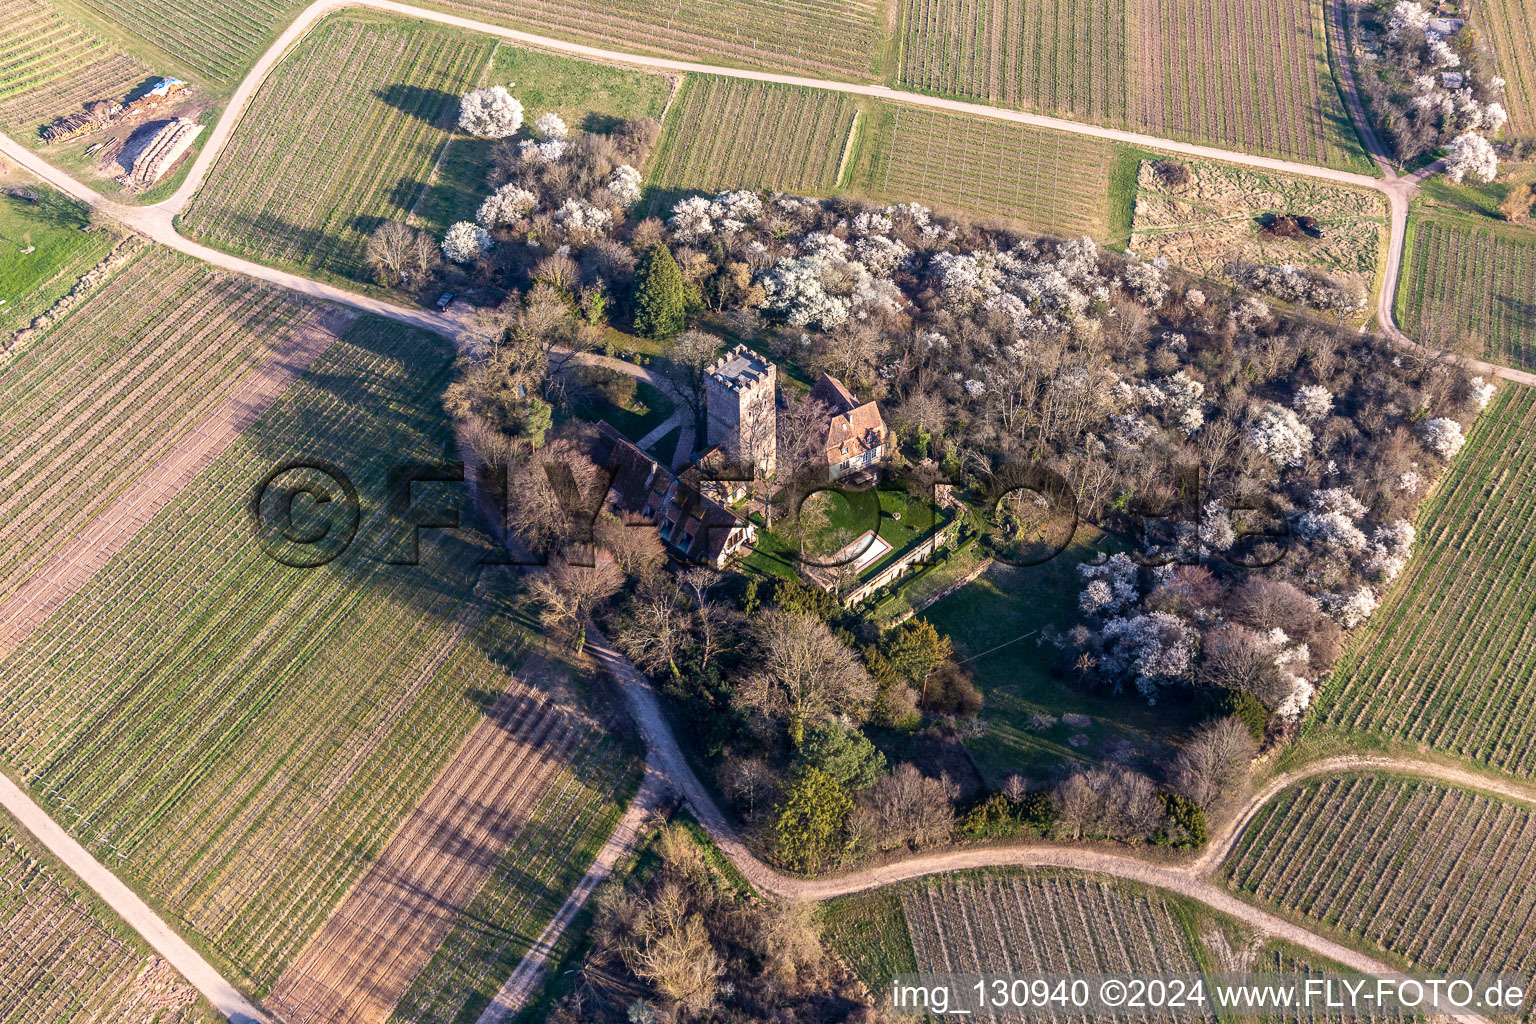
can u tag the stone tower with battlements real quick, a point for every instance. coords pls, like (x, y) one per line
(739, 390)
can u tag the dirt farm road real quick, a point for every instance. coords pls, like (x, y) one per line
(158, 223)
(1190, 879)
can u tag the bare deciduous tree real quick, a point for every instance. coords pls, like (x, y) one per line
(908, 807)
(398, 254)
(1213, 760)
(805, 674)
(671, 949)
(656, 630)
(567, 593)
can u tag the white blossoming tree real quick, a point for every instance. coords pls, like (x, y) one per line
(1443, 436)
(466, 242)
(507, 205)
(1482, 392)
(490, 113)
(1313, 402)
(1471, 155)
(551, 126)
(1332, 519)
(625, 185)
(1279, 436)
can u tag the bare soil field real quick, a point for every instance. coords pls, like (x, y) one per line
(381, 936)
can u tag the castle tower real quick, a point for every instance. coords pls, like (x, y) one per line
(739, 391)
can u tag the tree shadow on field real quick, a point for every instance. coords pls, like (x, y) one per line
(424, 104)
(595, 123)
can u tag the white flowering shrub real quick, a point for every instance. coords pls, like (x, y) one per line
(1482, 392)
(739, 205)
(824, 246)
(1354, 609)
(873, 222)
(551, 126)
(1216, 529)
(1444, 437)
(880, 254)
(1153, 649)
(696, 217)
(546, 152)
(466, 242)
(625, 185)
(1147, 279)
(1294, 703)
(1180, 396)
(1391, 545)
(1111, 586)
(1279, 436)
(1331, 519)
(490, 113)
(580, 215)
(1406, 14)
(1251, 312)
(797, 291)
(1471, 155)
(691, 220)
(1442, 56)
(1313, 402)
(507, 205)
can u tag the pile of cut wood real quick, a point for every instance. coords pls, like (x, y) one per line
(161, 153)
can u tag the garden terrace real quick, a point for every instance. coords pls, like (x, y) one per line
(1042, 180)
(63, 956)
(1462, 283)
(94, 401)
(725, 133)
(1448, 659)
(238, 738)
(820, 38)
(1062, 58)
(1437, 877)
(50, 67)
(341, 138)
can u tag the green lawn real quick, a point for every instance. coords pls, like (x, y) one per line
(648, 411)
(30, 282)
(903, 522)
(588, 97)
(1006, 603)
